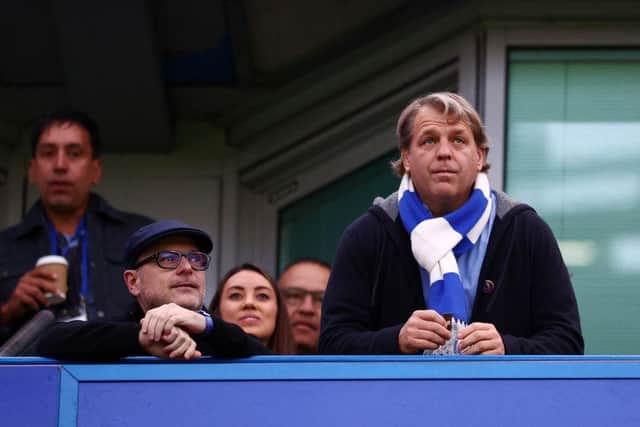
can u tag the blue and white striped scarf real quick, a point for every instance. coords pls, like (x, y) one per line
(437, 242)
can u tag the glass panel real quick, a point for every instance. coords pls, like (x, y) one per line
(573, 153)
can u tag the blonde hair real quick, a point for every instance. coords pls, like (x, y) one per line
(449, 104)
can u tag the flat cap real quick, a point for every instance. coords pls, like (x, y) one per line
(151, 233)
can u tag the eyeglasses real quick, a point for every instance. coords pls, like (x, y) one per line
(170, 260)
(296, 296)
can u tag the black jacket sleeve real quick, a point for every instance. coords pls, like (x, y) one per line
(100, 341)
(552, 325)
(348, 325)
(229, 340)
(91, 341)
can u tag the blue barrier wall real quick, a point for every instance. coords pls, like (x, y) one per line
(324, 391)
(29, 394)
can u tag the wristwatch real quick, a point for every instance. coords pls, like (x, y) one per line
(208, 328)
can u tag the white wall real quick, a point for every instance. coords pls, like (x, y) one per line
(185, 184)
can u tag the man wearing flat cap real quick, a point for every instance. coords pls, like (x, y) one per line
(166, 263)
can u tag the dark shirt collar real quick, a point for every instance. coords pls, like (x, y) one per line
(35, 217)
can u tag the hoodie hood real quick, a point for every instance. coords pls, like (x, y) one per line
(389, 205)
(504, 204)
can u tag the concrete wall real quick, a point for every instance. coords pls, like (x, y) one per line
(186, 183)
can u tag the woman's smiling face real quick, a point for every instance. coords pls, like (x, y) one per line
(249, 301)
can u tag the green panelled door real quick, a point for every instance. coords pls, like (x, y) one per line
(312, 226)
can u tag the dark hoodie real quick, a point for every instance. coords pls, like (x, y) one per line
(523, 289)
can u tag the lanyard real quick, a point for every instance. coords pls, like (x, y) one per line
(81, 235)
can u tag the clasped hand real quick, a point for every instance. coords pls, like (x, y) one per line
(165, 332)
(426, 329)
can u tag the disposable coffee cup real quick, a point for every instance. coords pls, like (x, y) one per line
(58, 265)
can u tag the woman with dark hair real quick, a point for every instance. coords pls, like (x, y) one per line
(248, 296)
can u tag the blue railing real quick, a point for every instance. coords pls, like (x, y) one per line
(324, 391)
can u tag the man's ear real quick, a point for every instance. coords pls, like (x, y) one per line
(405, 160)
(97, 171)
(482, 157)
(132, 280)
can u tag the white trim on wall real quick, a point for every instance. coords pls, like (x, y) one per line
(504, 35)
(228, 217)
(494, 100)
(16, 182)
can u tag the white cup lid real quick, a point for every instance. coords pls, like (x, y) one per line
(51, 259)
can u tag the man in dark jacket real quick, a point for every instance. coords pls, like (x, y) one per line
(67, 220)
(446, 244)
(166, 264)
